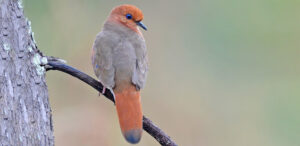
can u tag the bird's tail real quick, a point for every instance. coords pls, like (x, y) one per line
(129, 108)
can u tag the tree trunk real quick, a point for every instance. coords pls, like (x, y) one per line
(25, 114)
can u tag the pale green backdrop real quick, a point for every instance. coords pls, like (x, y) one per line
(222, 73)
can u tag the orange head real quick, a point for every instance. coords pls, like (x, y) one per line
(128, 15)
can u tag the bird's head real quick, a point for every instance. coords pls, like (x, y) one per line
(129, 16)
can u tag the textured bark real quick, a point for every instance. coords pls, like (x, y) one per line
(25, 114)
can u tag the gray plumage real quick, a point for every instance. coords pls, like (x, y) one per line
(119, 56)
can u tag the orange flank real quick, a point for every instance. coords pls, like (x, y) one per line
(129, 108)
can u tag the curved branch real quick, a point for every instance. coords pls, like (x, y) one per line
(148, 125)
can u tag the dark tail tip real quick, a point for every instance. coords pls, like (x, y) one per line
(133, 136)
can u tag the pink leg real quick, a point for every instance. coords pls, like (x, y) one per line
(103, 90)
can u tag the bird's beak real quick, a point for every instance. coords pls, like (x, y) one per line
(139, 23)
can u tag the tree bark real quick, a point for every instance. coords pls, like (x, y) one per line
(25, 114)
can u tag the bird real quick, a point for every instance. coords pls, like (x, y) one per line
(120, 62)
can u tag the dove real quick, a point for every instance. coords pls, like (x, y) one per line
(120, 63)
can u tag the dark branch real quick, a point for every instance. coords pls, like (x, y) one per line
(153, 130)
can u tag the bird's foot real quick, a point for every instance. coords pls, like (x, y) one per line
(103, 91)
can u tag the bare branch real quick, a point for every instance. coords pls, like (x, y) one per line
(148, 125)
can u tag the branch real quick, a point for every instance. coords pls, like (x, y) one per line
(148, 125)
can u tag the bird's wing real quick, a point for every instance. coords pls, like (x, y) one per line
(102, 60)
(141, 68)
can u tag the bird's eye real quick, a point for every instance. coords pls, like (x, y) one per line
(128, 16)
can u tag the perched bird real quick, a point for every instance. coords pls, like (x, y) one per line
(119, 60)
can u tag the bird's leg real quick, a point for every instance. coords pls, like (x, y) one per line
(103, 90)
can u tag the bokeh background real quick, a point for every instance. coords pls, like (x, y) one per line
(222, 73)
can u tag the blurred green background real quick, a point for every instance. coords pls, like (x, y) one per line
(222, 73)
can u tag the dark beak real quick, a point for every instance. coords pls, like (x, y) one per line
(139, 23)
